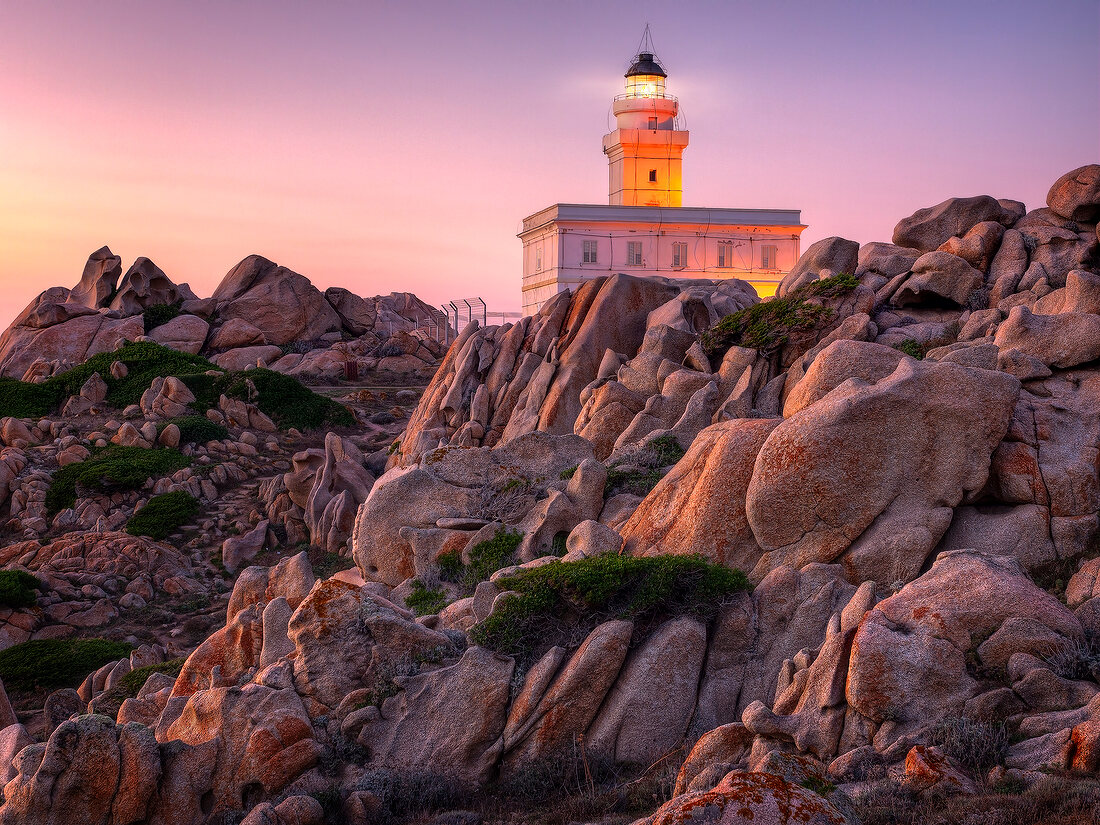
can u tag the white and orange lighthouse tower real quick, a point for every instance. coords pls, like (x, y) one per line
(645, 152)
(645, 229)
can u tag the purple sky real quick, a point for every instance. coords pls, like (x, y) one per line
(397, 146)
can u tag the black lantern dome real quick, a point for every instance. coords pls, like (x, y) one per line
(646, 64)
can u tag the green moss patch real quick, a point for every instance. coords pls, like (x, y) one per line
(911, 347)
(283, 399)
(197, 429)
(424, 601)
(768, 325)
(553, 601)
(163, 515)
(159, 314)
(144, 362)
(111, 469)
(47, 664)
(17, 588)
(486, 558)
(135, 680)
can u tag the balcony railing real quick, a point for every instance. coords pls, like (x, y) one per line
(661, 96)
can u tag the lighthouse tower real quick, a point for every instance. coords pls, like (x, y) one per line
(645, 152)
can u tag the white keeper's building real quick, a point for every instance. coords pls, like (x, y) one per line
(644, 229)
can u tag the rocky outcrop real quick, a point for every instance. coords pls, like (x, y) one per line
(258, 312)
(284, 305)
(499, 383)
(414, 514)
(815, 497)
(145, 285)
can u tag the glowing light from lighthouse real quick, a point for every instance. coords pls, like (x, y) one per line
(645, 85)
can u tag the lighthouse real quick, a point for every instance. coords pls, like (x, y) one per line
(645, 152)
(644, 229)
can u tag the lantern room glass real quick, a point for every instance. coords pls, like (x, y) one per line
(645, 85)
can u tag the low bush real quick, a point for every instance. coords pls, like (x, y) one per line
(110, 469)
(282, 398)
(424, 601)
(639, 472)
(135, 680)
(768, 325)
(486, 558)
(1050, 800)
(159, 314)
(47, 664)
(288, 402)
(144, 361)
(976, 745)
(163, 515)
(324, 563)
(197, 429)
(911, 347)
(17, 588)
(557, 601)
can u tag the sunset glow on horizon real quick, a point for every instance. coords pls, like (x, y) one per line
(397, 147)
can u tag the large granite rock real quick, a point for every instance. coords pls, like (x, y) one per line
(281, 303)
(870, 474)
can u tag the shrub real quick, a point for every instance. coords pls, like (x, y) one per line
(17, 588)
(666, 450)
(159, 314)
(197, 429)
(1075, 659)
(163, 515)
(144, 362)
(425, 602)
(639, 473)
(112, 468)
(404, 795)
(911, 347)
(324, 563)
(486, 558)
(46, 664)
(26, 400)
(135, 680)
(552, 599)
(975, 745)
(287, 402)
(767, 326)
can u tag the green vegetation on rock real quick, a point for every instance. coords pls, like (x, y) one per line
(424, 601)
(159, 314)
(911, 347)
(197, 429)
(17, 588)
(47, 664)
(163, 515)
(135, 680)
(288, 402)
(110, 469)
(144, 362)
(486, 558)
(551, 601)
(282, 398)
(768, 325)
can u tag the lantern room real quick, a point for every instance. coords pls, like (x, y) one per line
(645, 151)
(645, 78)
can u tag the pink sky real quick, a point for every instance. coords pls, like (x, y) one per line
(397, 146)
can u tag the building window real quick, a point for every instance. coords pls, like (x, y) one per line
(634, 253)
(590, 252)
(679, 255)
(653, 123)
(725, 254)
(768, 256)
(538, 259)
(652, 175)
